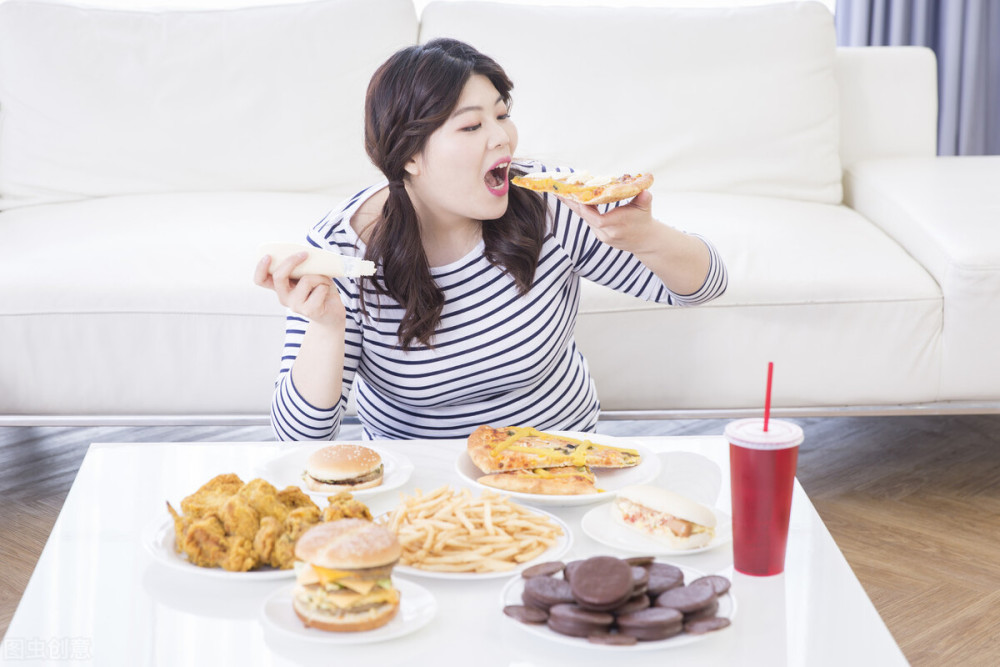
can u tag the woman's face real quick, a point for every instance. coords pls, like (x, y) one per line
(461, 173)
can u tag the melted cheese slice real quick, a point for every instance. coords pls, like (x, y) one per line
(527, 434)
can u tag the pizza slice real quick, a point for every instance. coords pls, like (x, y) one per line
(584, 188)
(564, 481)
(523, 448)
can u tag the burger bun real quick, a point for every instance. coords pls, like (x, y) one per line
(348, 544)
(368, 619)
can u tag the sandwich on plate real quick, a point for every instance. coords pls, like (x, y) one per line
(343, 579)
(343, 468)
(668, 517)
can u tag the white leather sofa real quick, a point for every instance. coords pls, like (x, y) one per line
(145, 155)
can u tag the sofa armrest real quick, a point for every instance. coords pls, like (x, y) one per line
(943, 212)
(888, 102)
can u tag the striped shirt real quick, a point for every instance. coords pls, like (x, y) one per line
(498, 358)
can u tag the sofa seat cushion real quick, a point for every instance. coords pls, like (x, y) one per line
(128, 304)
(848, 317)
(946, 213)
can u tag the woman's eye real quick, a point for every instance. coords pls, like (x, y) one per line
(472, 128)
(505, 116)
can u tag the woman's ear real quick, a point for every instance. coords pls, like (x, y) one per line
(413, 165)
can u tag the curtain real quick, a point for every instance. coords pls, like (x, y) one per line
(965, 36)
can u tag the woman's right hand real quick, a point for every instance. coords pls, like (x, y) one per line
(312, 296)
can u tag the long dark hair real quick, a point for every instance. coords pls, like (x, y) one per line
(411, 95)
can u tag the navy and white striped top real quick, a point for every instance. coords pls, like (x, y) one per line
(498, 358)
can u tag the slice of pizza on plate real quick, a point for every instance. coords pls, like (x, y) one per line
(563, 481)
(523, 448)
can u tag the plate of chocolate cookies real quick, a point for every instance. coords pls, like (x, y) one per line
(619, 603)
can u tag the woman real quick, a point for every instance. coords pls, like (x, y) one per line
(470, 317)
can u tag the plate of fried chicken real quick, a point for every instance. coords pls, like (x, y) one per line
(234, 529)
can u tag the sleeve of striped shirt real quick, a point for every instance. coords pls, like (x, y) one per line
(292, 416)
(621, 270)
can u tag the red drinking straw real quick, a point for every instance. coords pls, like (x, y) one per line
(767, 398)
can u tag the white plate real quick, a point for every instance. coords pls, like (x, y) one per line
(286, 470)
(158, 538)
(512, 595)
(601, 525)
(416, 609)
(555, 552)
(609, 480)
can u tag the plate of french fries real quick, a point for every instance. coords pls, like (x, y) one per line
(457, 534)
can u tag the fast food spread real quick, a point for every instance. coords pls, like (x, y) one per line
(449, 530)
(663, 515)
(580, 186)
(527, 460)
(343, 577)
(344, 559)
(241, 526)
(608, 600)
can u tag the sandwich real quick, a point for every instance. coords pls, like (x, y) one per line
(343, 468)
(343, 576)
(665, 516)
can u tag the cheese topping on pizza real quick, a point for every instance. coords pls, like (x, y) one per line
(526, 439)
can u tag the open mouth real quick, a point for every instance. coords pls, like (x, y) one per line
(496, 178)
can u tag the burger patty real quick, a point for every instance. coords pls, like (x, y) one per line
(367, 477)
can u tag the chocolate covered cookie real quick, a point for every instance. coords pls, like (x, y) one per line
(687, 598)
(526, 614)
(543, 592)
(651, 624)
(570, 619)
(602, 583)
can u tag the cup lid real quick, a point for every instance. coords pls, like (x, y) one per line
(750, 433)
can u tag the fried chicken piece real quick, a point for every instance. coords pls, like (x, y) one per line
(344, 506)
(299, 520)
(293, 497)
(181, 525)
(205, 542)
(210, 496)
(239, 517)
(263, 497)
(240, 556)
(283, 554)
(267, 535)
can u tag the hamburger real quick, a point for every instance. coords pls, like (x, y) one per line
(343, 577)
(663, 515)
(343, 467)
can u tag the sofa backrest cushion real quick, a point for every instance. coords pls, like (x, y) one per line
(97, 102)
(736, 100)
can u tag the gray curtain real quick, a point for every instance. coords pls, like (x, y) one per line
(965, 36)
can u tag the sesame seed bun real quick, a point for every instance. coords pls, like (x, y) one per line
(348, 544)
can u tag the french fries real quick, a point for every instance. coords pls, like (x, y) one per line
(448, 530)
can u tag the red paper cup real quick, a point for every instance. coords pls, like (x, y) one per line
(762, 466)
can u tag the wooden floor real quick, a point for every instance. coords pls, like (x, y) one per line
(913, 502)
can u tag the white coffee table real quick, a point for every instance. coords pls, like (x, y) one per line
(97, 595)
